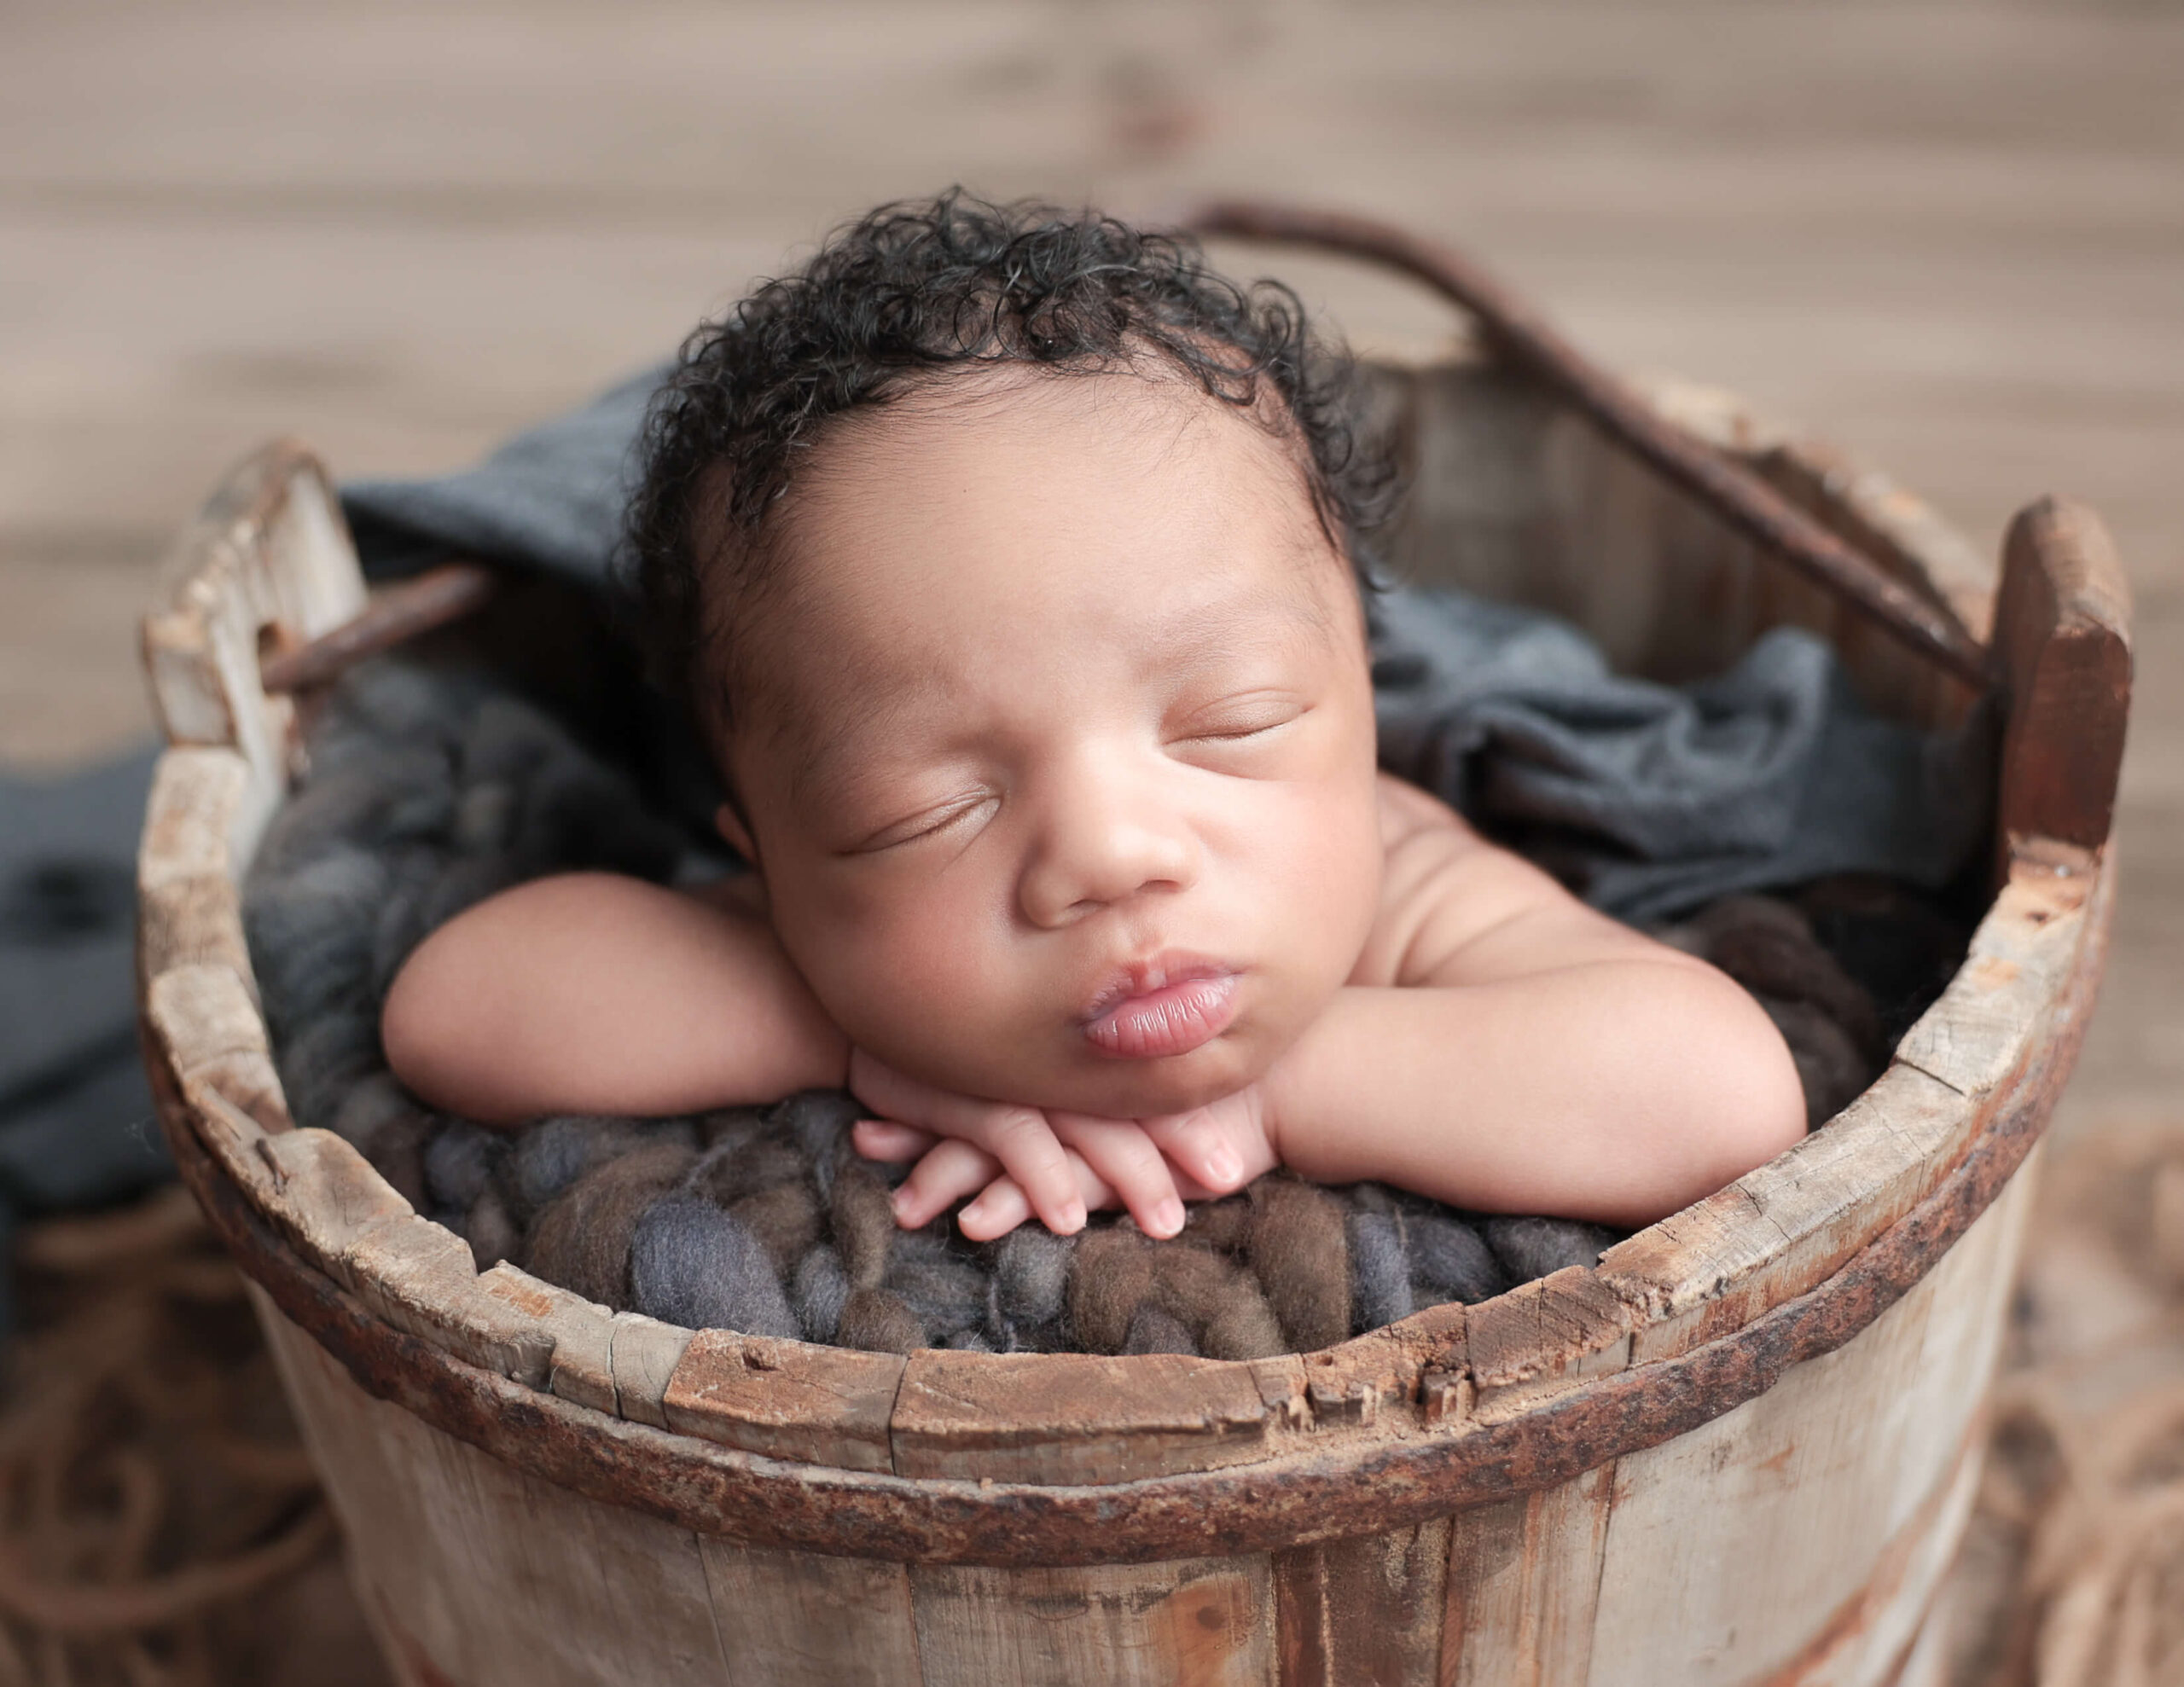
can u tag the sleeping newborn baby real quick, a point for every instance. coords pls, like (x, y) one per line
(1004, 556)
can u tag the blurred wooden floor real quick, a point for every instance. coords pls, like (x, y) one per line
(1949, 237)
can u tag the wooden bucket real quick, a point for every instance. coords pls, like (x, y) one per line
(1741, 1450)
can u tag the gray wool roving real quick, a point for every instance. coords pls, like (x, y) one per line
(429, 789)
(691, 1263)
(459, 1162)
(1528, 1248)
(1450, 1262)
(819, 1289)
(1379, 1270)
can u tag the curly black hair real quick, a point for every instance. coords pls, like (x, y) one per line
(896, 300)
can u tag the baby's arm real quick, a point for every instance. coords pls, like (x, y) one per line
(1528, 1055)
(589, 993)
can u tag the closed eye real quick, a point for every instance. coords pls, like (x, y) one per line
(1255, 717)
(928, 824)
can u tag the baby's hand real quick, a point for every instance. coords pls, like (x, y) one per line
(1051, 1164)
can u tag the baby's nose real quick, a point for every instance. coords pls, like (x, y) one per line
(1101, 843)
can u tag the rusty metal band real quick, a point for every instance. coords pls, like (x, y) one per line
(1291, 1499)
(1718, 480)
(395, 615)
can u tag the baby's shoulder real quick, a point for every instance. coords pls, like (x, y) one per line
(1441, 886)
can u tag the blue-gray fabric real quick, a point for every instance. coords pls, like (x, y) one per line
(1649, 799)
(76, 1125)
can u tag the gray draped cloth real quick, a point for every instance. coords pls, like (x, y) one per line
(1649, 799)
(76, 1125)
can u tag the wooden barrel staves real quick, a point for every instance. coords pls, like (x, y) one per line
(1739, 1449)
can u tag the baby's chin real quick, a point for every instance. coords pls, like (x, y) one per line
(1133, 1089)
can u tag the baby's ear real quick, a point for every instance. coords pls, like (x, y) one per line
(730, 827)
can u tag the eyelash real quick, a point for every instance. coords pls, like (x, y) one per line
(948, 818)
(1240, 733)
(1231, 737)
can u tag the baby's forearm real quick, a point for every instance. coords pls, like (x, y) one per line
(591, 994)
(1619, 1092)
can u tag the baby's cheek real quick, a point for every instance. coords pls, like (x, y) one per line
(905, 982)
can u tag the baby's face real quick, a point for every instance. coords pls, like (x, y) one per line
(1062, 782)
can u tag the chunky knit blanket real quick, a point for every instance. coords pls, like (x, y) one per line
(430, 788)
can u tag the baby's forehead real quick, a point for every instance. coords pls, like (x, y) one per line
(1032, 524)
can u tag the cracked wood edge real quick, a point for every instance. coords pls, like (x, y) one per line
(1788, 1226)
(267, 564)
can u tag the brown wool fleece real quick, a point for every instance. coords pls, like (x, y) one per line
(1118, 1273)
(864, 1224)
(747, 1167)
(729, 1124)
(581, 1239)
(1109, 1277)
(1300, 1254)
(1219, 1304)
(1224, 1225)
(784, 1220)
(880, 1321)
(1153, 1331)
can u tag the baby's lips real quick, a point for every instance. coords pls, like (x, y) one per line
(1172, 1020)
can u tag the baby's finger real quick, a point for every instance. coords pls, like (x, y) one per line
(1019, 1136)
(1000, 1207)
(1195, 1145)
(1002, 1204)
(951, 1170)
(1121, 1153)
(1029, 1152)
(884, 1140)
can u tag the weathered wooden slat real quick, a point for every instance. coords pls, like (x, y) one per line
(1996, 1010)
(1368, 1610)
(1205, 1622)
(581, 1370)
(1803, 1486)
(643, 1353)
(1523, 1578)
(190, 862)
(327, 1195)
(787, 1400)
(267, 564)
(804, 1619)
(473, 1572)
(2062, 647)
(1542, 1337)
(1780, 1230)
(1074, 1418)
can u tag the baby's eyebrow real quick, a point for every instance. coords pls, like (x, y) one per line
(813, 769)
(1261, 618)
